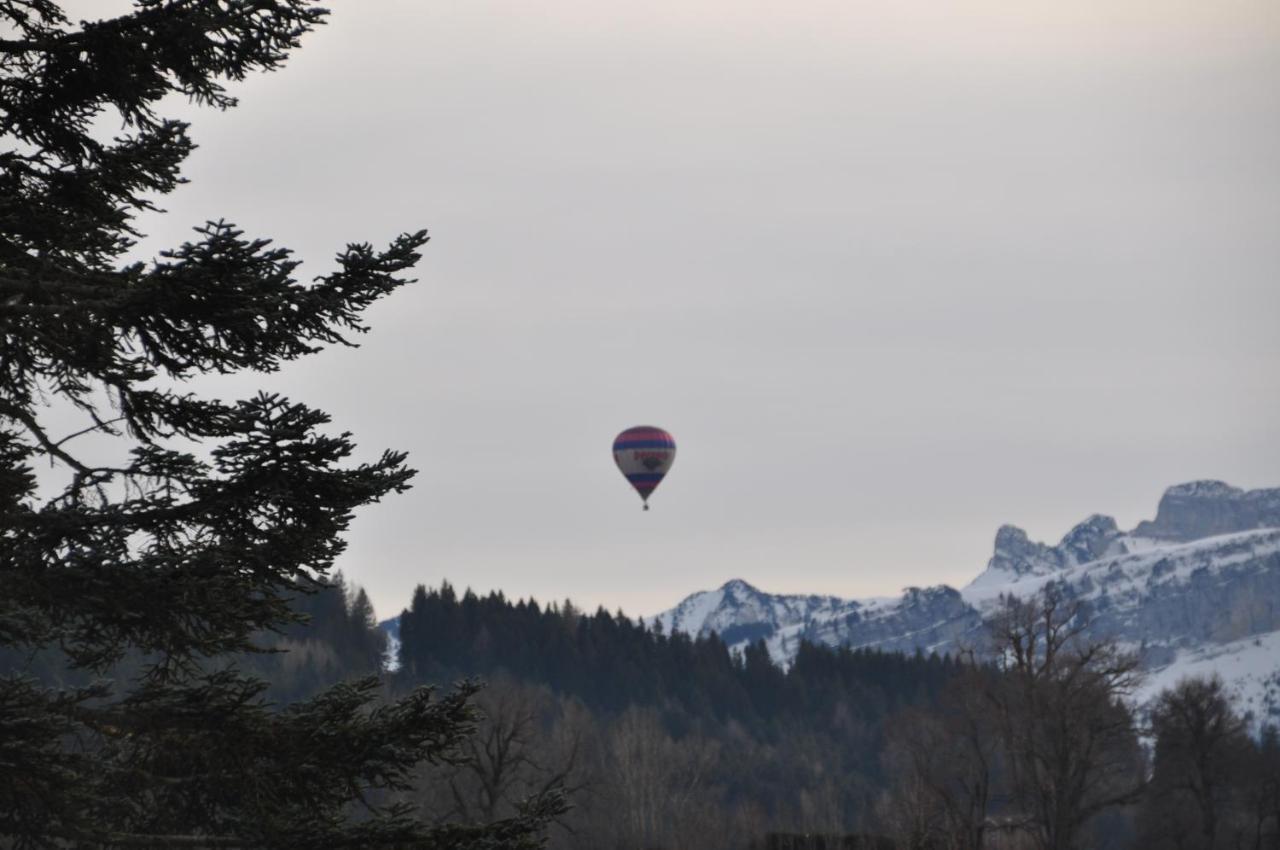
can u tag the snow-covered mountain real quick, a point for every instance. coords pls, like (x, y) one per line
(1195, 589)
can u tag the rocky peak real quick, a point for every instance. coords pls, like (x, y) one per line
(738, 587)
(1018, 555)
(1206, 508)
(1204, 490)
(1010, 538)
(934, 598)
(1090, 540)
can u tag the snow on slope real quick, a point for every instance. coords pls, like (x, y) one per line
(391, 658)
(740, 613)
(1118, 586)
(1197, 590)
(1250, 667)
(691, 615)
(1149, 565)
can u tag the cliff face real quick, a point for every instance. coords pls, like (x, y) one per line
(1216, 606)
(1214, 590)
(1206, 508)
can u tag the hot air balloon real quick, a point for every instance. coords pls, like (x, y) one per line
(644, 454)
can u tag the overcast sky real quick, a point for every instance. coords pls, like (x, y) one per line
(892, 272)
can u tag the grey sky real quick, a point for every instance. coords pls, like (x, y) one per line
(893, 273)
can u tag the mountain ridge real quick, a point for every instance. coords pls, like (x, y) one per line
(1202, 576)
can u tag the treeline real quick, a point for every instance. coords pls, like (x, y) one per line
(337, 640)
(611, 663)
(663, 740)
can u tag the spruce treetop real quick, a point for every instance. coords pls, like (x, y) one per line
(219, 514)
(263, 513)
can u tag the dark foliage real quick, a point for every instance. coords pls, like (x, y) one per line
(612, 663)
(1213, 785)
(196, 542)
(1069, 738)
(693, 742)
(785, 841)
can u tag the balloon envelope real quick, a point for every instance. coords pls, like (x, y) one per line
(644, 454)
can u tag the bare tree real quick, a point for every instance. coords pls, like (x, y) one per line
(1069, 737)
(662, 787)
(1262, 792)
(521, 748)
(910, 811)
(1202, 750)
(944, 762)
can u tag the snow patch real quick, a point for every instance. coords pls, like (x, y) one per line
(1249, 667)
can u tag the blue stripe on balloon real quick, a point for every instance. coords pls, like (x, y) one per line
(643, 444)
(643, 477)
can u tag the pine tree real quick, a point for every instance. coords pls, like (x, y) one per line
(217, 514)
